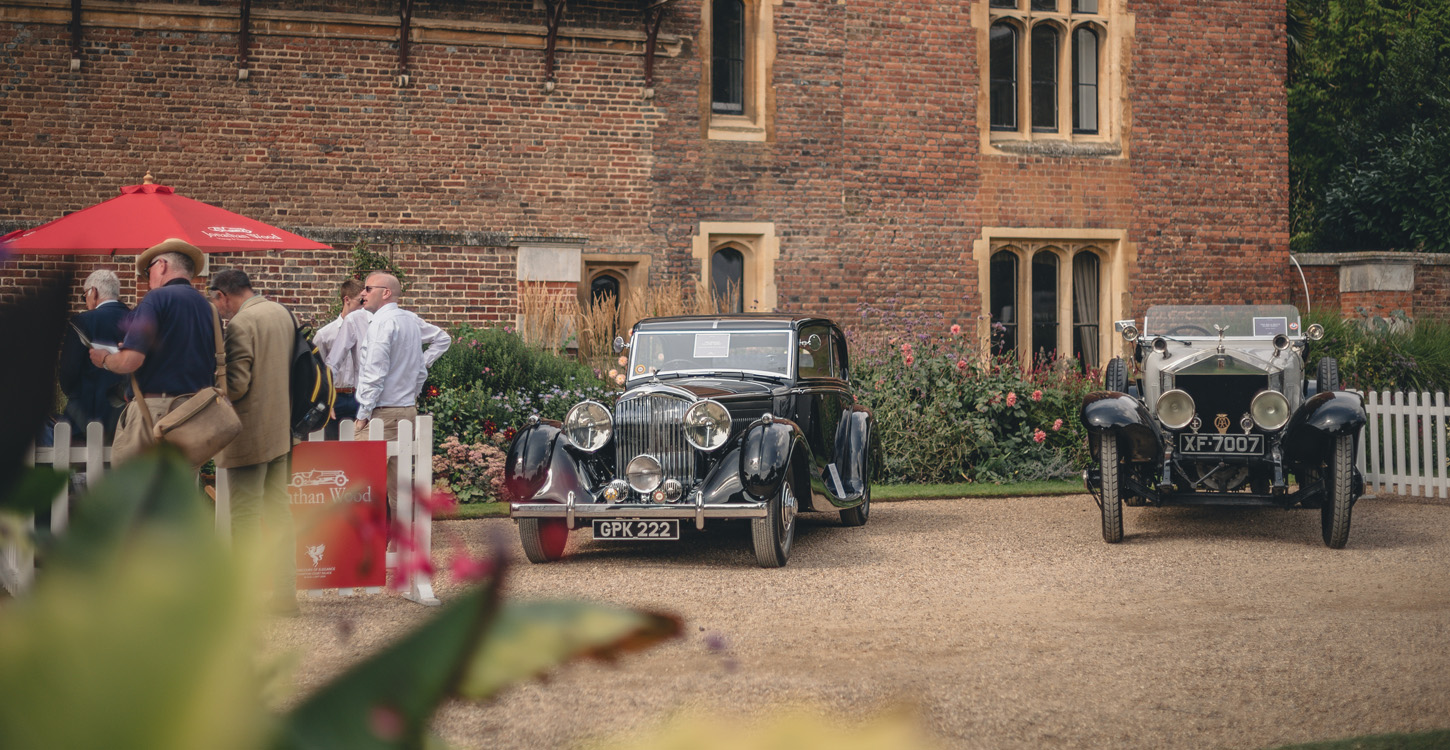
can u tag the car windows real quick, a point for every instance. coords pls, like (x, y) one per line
(815, 364)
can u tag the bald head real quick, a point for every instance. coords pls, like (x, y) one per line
(381, 288)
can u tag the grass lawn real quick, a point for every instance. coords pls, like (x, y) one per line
(878, 492)
(1432, 740)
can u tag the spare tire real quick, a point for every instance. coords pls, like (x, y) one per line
(1115, 377)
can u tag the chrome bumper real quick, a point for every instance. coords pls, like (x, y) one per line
(697, 510)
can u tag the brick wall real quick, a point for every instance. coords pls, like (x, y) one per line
(874, 180)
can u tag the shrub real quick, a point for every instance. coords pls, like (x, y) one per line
(1384, 352)
(473, 472)
(945, 413)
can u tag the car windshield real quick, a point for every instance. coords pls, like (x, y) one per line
(1237, 321)
(662, 352)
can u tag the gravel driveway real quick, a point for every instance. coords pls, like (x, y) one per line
(1002, 623)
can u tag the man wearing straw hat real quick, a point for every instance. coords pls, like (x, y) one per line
(170, 341)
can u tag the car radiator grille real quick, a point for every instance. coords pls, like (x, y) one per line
(1221, 394)
(654, 424)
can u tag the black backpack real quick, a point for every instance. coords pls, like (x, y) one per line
(311, 385)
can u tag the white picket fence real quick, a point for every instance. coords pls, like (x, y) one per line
(415, 473)
(1402, 449)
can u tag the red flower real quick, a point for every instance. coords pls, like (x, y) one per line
(1057, 425)
(1038, 436)
(956, 330)
(509, 433)
(962, 365)
(910, 360)
(431, 391)
(1012, 398)
(1037, 395)
(489, 427)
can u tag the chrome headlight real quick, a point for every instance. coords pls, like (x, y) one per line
(1315, 332)
(588, 426)
(1175, 409)
(707, 424)
(1270, 410)
(644, 474)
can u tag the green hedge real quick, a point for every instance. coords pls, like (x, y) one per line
(1384, 352)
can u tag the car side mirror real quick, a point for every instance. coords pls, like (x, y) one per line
(619, 344)
(812, 344)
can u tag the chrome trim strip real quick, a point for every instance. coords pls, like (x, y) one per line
(635, 510)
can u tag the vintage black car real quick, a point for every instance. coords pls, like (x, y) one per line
(1222, 412)
(733, 416)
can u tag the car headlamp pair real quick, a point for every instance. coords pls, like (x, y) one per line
(1269, 409)
(588, 426)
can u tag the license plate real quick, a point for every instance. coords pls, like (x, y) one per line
(613, 531)
(1221, 445)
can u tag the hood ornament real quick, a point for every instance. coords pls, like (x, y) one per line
(1221, 330)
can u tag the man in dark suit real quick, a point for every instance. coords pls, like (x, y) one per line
(91, 393)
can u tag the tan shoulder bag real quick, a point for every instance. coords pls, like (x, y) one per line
(206, 421)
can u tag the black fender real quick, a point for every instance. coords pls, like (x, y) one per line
(1311, 431)
(766, 450)
(853, 447)
(723, 484)
(1111, 412)
(529, 457)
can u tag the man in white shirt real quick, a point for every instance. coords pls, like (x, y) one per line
(340, 343)
(393, 364)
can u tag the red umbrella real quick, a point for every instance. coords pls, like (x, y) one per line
(143, 215)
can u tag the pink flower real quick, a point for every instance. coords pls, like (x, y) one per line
(1012, 398)
(1037, 395)
(1038, 436)
(623, 361)
(1057, 425)
(613, 372)
(468, 569)
(438, 502)
(961, 365)
(910, 360)
(956, 330)
(619, 379)
(906, 348)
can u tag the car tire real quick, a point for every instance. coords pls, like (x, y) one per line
(544, 539)
(1328, 374)
(1339, 493)
(1115, 377)
(773, 535)
(859, 515)
(1111, 495)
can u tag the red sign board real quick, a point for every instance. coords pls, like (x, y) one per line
(339, 494)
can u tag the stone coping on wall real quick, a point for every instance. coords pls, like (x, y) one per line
(1377, 256)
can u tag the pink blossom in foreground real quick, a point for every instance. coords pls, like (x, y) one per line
(1057, 425)
(441, 502)
(469, 569)
(1038, 436)
(1037, 395)
(1012, 398)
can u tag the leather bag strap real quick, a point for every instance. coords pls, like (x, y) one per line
(221, 353)
(137, 395)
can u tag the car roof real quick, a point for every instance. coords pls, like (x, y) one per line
(733, 321)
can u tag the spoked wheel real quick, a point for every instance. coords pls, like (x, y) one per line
(772, 536)
(858, 515)
(1112, 498)
(1339, 493)
(1115, 377)
(544, 538)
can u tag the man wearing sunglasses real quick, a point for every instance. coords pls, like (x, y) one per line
(394, 364)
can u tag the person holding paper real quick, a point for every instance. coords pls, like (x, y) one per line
(93, 394)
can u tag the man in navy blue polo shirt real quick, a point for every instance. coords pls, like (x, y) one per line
(170, 339)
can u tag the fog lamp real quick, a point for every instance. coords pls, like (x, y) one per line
(616, 491)
(644, 474)
(673, 490)
(1270, 410)
(1175, 409)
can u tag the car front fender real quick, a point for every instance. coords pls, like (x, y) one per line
(853, 447)
(1113, 413)
(765, 455)
(1320, 419)
(538, 467)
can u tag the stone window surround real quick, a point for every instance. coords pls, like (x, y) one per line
(758, 122)
(757, 242)
(632, 269)
(1117, 256)
(1115, 32)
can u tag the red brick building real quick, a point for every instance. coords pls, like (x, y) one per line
(1055, 164)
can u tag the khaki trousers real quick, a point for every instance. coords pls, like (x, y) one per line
(259, 496)
(391, 416)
